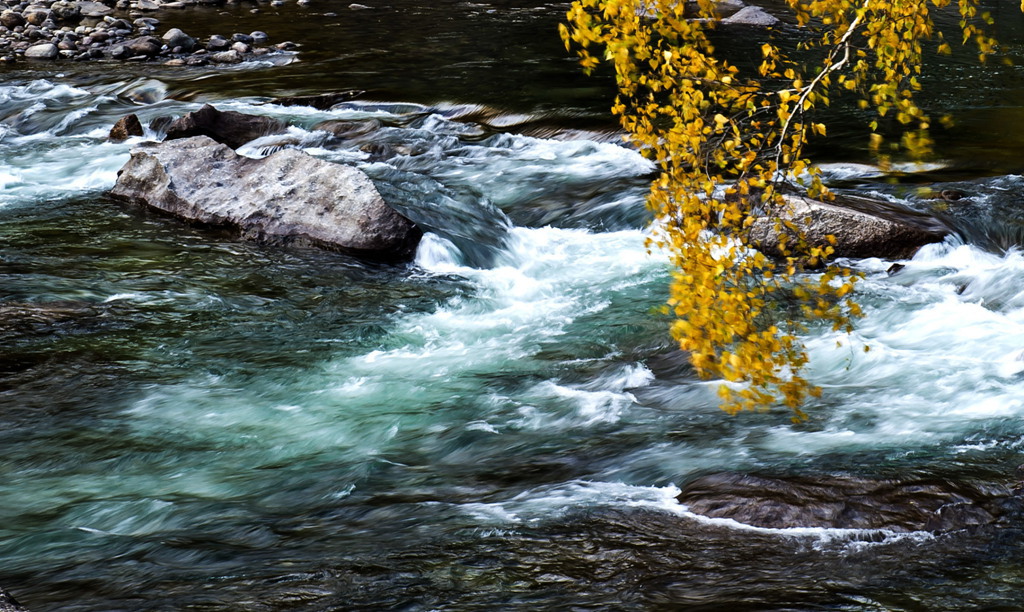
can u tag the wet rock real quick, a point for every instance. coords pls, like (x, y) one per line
(345, 130)
(847, 502)
(289, 197)
(146, 46)
(160, 124)
(45, 51)
(259, 38)
(120, 25)
(126, 126)
(36, 15)
(176, 38)
(231, 56)
(94, 9)
(751, 16)
(241, 48)
(320, 101)
(11, 19)
(66, 11)
(218, 43)
(228, 127)
(9, 604)
(858, 234)
(242, 38)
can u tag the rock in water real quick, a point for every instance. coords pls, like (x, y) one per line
(858, 234)
(8, 603)
(126, 126)
(226, 127)
(144, 45)
(288, 197)
(45, 51)
(847, 502)
(320, 101)
(176, 38)
(751, 16)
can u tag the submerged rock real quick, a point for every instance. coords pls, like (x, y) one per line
(9, 604)
(289, 197)
(227, 127)
(847, 502)
(858, 234)
(321, 101)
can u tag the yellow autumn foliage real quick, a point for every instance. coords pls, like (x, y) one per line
(727, 143)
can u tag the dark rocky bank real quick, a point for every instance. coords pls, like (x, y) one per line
(117, 30)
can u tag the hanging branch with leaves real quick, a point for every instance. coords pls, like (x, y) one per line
(727, 144)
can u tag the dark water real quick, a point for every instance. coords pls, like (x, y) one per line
(189, 421)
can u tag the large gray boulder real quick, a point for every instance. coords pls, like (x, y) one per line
(858, 234)
(288, 197)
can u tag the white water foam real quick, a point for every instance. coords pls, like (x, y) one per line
(944, 359)
(545, 504)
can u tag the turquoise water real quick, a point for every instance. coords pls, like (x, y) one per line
(190, 421)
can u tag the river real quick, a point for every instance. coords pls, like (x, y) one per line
(191, 421)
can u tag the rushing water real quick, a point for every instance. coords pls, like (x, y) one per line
(191, 421)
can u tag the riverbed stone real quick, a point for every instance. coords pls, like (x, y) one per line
(858, 234)
(217, 43)
(94, 9)
(36, 15)
(45, 51)
(177, 38)
(11, 19)
(147, 46)
(231, 56)
(9, 604)
(227, 127)
(66, 11)
(288, 197)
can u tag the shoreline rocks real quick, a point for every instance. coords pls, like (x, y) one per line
(82, 30)
(289, 197)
